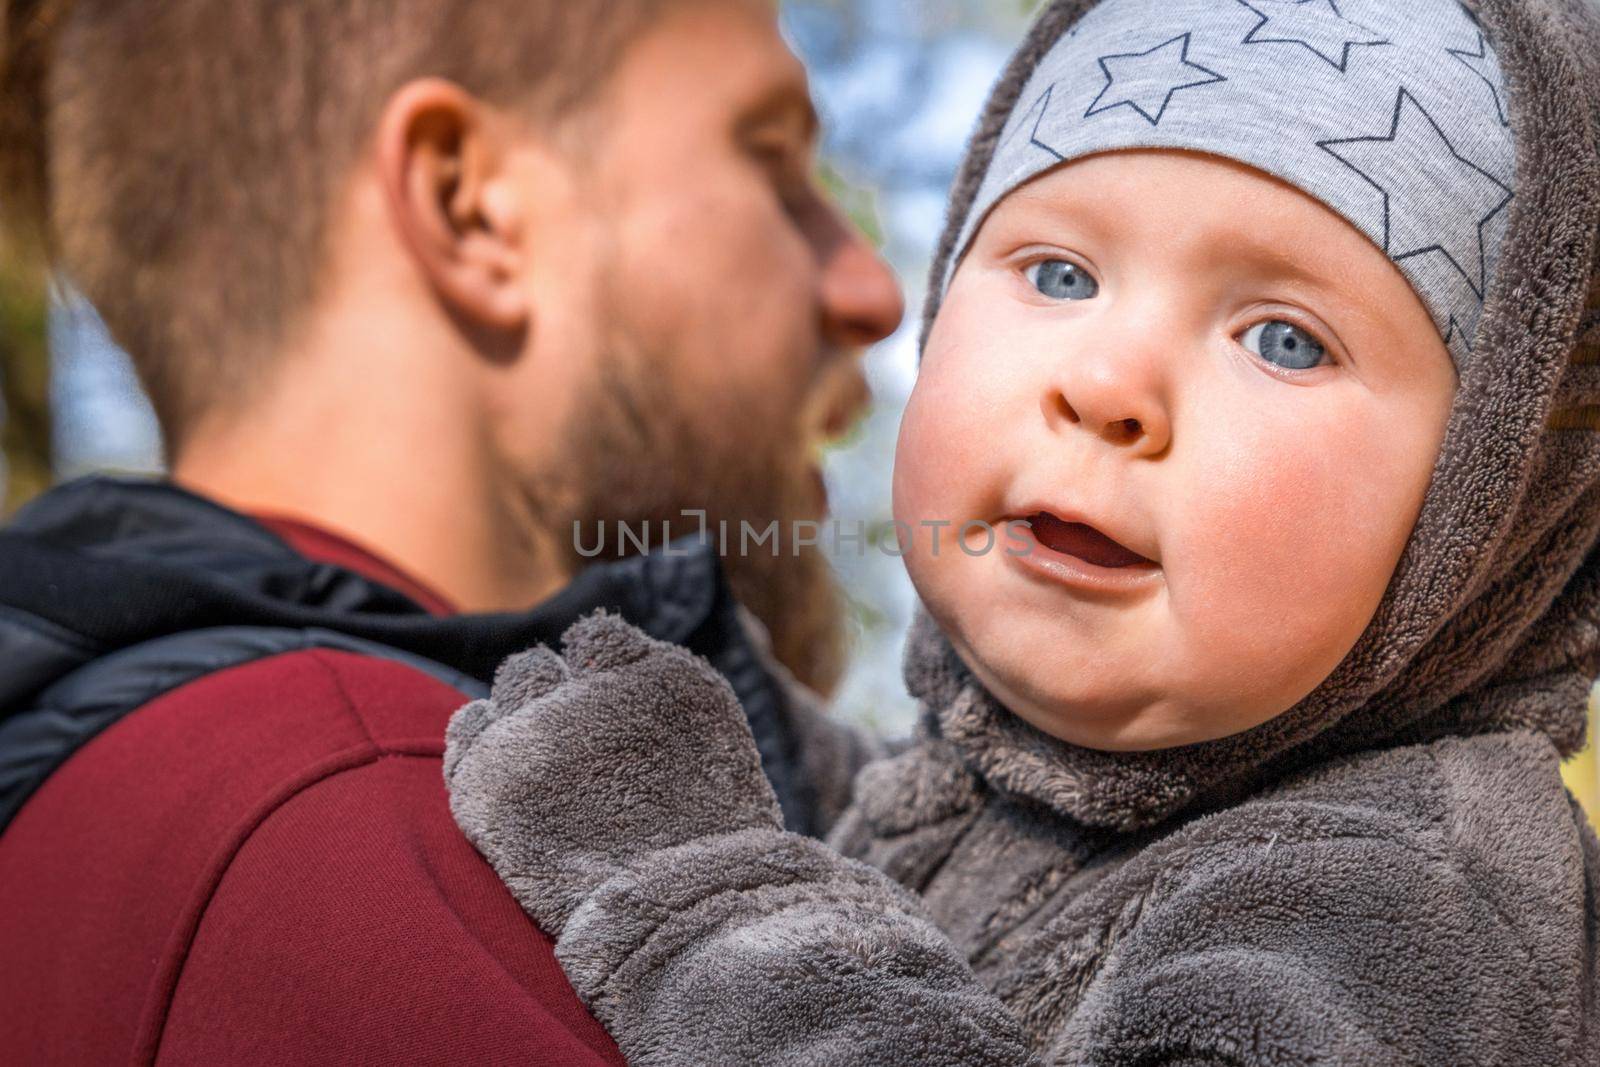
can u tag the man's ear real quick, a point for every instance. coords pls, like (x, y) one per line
(441, 158)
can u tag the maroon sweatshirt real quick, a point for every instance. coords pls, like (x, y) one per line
(260, 867)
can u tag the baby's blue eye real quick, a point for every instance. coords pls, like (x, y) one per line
(1060, 280)
(1284, 344)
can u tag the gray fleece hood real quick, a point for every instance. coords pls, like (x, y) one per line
(1491, 621)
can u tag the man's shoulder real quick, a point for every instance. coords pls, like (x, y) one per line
(269, 833)
(228, 745)
(395, 939)
(306, 704)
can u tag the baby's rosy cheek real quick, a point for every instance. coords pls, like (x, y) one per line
(918, 456)
(945, 431)
(1265, 560)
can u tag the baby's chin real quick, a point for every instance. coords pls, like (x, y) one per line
(1080, 703)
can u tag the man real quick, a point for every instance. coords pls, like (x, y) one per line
(415, 287)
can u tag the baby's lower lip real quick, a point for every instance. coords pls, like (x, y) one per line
(1039, 561)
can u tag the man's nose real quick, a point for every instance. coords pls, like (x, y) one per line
(1114, 387)
(861, 299)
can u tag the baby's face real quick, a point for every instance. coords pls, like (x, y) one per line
(1213, 370)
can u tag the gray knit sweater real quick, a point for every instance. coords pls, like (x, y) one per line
(1388, 873)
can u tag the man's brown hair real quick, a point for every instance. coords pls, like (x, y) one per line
(178, 160)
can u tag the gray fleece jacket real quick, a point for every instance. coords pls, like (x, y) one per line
(1390, 872)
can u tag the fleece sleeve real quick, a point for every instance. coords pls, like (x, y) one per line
(618, 792)
(765, 947)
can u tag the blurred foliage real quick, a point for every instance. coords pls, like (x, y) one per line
(25, 433)
(859, 202)
(1582, 772)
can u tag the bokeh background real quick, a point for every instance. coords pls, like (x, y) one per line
(899, 84)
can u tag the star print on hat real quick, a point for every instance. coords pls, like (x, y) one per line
(1315, 25)
(1409, 228)
(1480, 62)
(1393, 115)
(1145, 81)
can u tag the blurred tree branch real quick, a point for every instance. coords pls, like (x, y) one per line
(25, 433)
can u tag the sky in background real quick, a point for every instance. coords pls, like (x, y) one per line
(899, 84)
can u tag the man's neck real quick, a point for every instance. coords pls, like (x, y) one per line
(426, 499)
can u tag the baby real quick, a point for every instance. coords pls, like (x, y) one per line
(1273, 327)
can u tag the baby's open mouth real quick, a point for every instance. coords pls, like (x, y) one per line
(1081, 540)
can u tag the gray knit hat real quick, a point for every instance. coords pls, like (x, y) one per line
(1394, 119)
(1491, 621)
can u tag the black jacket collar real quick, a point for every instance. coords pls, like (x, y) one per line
(104, 563)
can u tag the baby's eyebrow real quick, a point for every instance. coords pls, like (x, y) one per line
(1274, 261)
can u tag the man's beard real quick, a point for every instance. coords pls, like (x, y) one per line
(635, 457)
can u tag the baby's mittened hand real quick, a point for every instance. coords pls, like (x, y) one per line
(578, 763)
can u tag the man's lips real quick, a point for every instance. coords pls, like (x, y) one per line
(839, 398)
(1081, 540)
